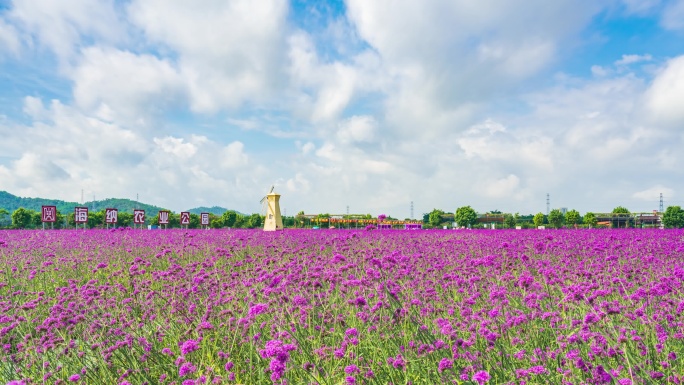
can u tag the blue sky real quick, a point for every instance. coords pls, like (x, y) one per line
(369, 105)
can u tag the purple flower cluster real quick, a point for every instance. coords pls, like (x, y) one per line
(279, 353)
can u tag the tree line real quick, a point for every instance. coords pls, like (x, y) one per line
(23, 218)
(466, 216)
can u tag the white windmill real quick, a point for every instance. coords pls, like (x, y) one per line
(271, 210)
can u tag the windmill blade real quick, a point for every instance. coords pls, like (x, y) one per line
(272, 187)
(262, 200)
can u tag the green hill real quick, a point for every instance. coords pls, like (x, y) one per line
(216, 210)
(11, 202)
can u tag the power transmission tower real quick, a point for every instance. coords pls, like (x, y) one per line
(347, 210)
(548, 204)
(411, 209)
(662, 207)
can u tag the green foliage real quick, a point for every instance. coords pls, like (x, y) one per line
(465, 216)
(22, 219)
(5, 218)
(510, 221)
(556, 218)
(435, 217)
(620, 210)
(215, 222)
(590, 219)
(538, 219)
(573, 217)
(195, 221)
(673, 217)
(229, 218)
(255, 220)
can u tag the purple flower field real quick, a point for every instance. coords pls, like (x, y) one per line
(341, 307)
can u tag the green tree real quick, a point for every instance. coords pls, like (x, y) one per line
(465, 216)
(36, 220)
(435, 217)
(240, 222)
(590, 219)
(538, 219)
(673, 217)
(255, 221)
(299, 219)
(96, 219)
(229, 218)
(215, 222)
(510, 221)
(556, 218)
(124, 219)
(194, 221)
(5, 218)
(620, 210)
(22, 218)
(573, 217)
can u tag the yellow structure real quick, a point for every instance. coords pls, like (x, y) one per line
(273, 219)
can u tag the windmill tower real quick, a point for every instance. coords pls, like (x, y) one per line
(271, 210)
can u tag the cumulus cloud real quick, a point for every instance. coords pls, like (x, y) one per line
(62, 25)
(666, 93)
(125, 87)
(228, 52)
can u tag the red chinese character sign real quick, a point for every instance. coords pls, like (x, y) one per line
(164, 218)
(81, 216)
(185, 218)
(204, 219)
(111, 216)
(139, 217)
(48, 214)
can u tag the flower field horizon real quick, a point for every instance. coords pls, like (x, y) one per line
(335, 307)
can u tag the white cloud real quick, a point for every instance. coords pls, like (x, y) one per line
(176, 146)
(298, 184)
(631, 59)
(357, 129)
(673, 16)
(666, 93)
(640, 7)
(653, 194)
(233, 155)
(228, 52)
(502, 188)
(9, 39)
(61, 25)
(125, 87)
(65, 151)
(34, 108)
